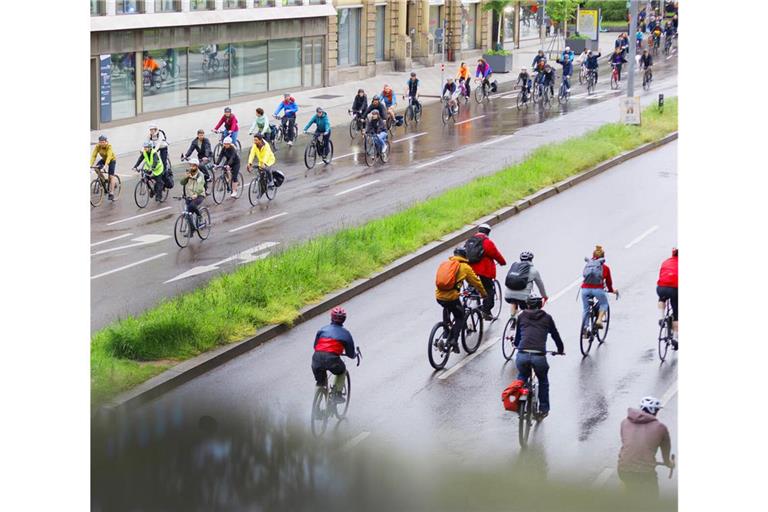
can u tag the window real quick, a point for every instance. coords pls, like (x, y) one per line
(263, 3)
(122, 88)
(317, 2)
(98, 8)
(284, 64)
(293, 2)
(202, 5)
(468, 21)
(208, 73)
(234, 4)
(349, 37)
(129, 7)
(380, 30)
(167, 6)
(249, 68)
(166, 87)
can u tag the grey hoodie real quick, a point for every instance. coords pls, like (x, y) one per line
(533, 276)
(641, 436)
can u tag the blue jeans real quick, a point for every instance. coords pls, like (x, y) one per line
(380, 139)
(524, 363)
(602, 299)
(233, 134)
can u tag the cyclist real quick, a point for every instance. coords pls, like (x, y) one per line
(524, 78)
(646, 60)
(591, 63)
(485, 266)
(669, 33)
(107, 159)
(323, 127)
(639, 38)
(519, 283)
(378, 105)
(378, 128)
(288, 120)
(450, 93)
(331, 342)
(153, 164)
(642, 434)
(413, 90)
(389, 99)
(666, 289)
(567, 53)
(547, 78)
(262, 153)
(360, 103)
(151, 67)
(463, 75)
(449, 299)
(597, 279)
(617, 59)
(157, 137)
(261, 125)
(485, 72)
(567, 70)
(533, 326)
(540, 57)
(202, 146)
(656, 32)
(195, 194)
(231, 129)
(231, 158)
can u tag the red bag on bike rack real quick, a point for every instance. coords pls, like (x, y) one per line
(510, 397)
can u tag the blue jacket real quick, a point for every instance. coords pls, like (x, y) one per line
(570, 55)
(591, 62)
(567, 67)
(335, 339)
(323, 124)
(290, 108)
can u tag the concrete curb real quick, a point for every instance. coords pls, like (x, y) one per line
(188, 370)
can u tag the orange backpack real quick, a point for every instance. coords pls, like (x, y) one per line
(511, 395)
(445, 279)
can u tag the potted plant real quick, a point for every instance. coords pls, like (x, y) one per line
(579, 43)
(499, 60)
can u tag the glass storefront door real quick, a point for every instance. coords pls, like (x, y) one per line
(313, 62)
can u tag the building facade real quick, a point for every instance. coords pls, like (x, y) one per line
(200, 53)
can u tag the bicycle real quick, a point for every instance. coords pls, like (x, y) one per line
(314, 148)
(647, 78)
(667, 45)
(591, 81)
(412, 112)
(438, 349)
(589, 330)
(543, 98)
(482, 91)
(666, 334)
(671, 468)
(100, 186)
(211, 63)
(529, 405)
(583, 72)
(656, 44)
(282, 131)
(449, 111)
(187, 225)
(356, 124)
(145, 188)
(614, 76)
(220, 145)
(373, 150)
(324, 408)
(463, 94)
(222, 185)
(263, 184)
(523, 98)
(563, 94)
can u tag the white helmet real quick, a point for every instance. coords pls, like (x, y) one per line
(650, 404)
(567, 48)
(227, 140)
(484, 228)
(153, 127)
(193, 161)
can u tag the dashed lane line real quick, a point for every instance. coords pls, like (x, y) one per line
(432, 162)
(359, 438)
(110, 239)
(130, 265)
(356, 188)
(233, 230)
(467, 360)
(470, 119)
(641, 237)
(139, 216)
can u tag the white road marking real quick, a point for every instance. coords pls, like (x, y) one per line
(470, 119)
(139, 215)
(671, 392)
(110, 239)
(565, 290)
(467, 359)
(142, 240)
(345, 156)
(246, 256)
(356, 188)
(409, 137)
(257, 222)
(359, 438)
(443, 159)
(498, 139)
(640, 238)
(124, 267)
(603, 477)
(669, 57)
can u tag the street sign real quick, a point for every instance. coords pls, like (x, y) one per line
(586, 23)
(105, 88)
(629, 112)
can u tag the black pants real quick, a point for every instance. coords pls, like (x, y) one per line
(207, 170)
(667, 292)
(488, 301)
(455, 308)
(326, 361)
(110, 167)
(288, 124)
(158, 186)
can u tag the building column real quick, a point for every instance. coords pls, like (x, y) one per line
(218, 5)
(368, 37)
(453, 38)
(110, 6)
(332, 52)
(423, 39)
(149, 7)
(185, 5)
(485, 34)
(401, 42)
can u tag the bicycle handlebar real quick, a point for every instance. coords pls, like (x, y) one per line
(671, 467)
(358, 355)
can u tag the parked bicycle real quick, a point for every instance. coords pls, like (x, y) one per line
(471, 335)
(220, 145)
(100, 187)
(528, 409)
(374, 150)
(356, 124)
(222, 184)
(145, 188)
(589, 331)
(324, 405)
(187, 224)
(666, 334)
(412, 112)
(314, 148)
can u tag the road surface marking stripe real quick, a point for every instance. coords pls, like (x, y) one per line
(359, 438)
(138, 242)
(564, 290)
(640, 238)
(669, 57)
(470, 119)
(409, 137)
(467, 359)
(356, 188)
(434, 161)
(139, 215)
(671, 392)
(129, 265)
(498, 139)
(603, 477)
(257, 222)
(345, 156)
(110, 239)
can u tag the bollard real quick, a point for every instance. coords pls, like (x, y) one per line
(661, 102)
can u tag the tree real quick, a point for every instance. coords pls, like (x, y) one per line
(562, 12)
(497, 7)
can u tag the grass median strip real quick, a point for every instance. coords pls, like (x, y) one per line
(273, 290)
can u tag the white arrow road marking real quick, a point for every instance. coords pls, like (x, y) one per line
(467, 359)
(141, 240)
(110, 239)
(640, 238)
(139, 215)
(246, 256)
(470, 119)
(257, 222)
(129, 265)
(356, 188)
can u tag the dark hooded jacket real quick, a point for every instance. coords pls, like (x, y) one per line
(533, 326)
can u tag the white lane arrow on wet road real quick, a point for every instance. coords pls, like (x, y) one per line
(246, 256)
(137, 242)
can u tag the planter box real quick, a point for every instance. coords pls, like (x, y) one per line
(499, 63)
(579, 45)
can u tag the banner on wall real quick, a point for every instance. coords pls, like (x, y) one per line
(586, 23)
(105, 88)
(630, 110)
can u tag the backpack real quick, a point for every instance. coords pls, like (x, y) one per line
(517, 277)
(510, 397)
(445, 279)
(593, 271)
(474, 248)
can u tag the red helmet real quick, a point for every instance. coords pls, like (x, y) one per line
(338, 315)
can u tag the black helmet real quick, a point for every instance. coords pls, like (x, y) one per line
(533, 303)
(460, 251)
(526, 256)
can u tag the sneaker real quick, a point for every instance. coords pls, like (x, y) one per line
(233, 195)
(674, 344)
(487, 316)
(290, 143)
(336, 398)
(455, 346)
(111, 197)
(541, 415)
(151, 193)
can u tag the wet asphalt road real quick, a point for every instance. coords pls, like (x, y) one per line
(399, 403)
(136, 263)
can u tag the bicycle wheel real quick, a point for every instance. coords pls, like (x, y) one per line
(545, 100)
(217, 152)
(164, 194)
(310, 155)
(614, 81)
(181, 231)
(562, 97)
(118, 188)
(446, 114)
(590, 86)
(479, 94)
(603, 333)
(664, 336)
(141, 194)
(408, 115)
(646, 82)
(320, 411)
(417, 114)
(496, 312)
(346, 392)
(585, 335)
(473, 331)
(269, 190)
(239, 147)
(384, 153)
(520, 100)
(369, 147)
(353, 131)
(240, 188)
(581, 77)
(328, 156)
(219, 189)
(525, 420)
(508, 339)
(438, 349)
(97, 193)
(204, 226)
(254, 192)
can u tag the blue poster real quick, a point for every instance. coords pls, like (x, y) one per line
(105, 88)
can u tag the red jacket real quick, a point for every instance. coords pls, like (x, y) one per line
(668, 273)
(230, 124)
(606, 279)
(486, 266)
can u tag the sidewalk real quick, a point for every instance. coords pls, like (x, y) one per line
(180, 129)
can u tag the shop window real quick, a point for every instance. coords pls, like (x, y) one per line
(349, 36)
(234, 4)
(208, 73)
(98, 8)
(129, 7)
(284, 64)
(120, 93)
(248, 68)
(202, 5)
(167, 6)
(164, 79)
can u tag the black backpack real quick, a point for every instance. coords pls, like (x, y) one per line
(474, 248)
(517, 277)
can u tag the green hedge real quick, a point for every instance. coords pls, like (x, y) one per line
(612, 10)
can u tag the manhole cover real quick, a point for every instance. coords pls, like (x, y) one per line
(326, 96)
